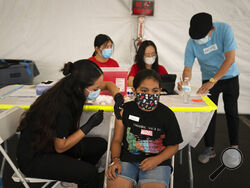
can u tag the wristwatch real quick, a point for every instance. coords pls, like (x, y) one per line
(212, 80)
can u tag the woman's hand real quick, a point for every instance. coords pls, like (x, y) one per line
(111, 172)
(180, 85)
(149, 163)
(93, 121)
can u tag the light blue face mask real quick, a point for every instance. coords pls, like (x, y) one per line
(203, 40)
(93, 94)
(106, 53)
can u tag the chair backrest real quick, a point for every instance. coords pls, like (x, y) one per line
(9, 121)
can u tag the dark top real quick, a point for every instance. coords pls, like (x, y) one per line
(147, 134)
(64, 128)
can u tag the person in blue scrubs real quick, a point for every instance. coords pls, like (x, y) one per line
(214, 46)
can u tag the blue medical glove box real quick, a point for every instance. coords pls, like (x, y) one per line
(42, 87)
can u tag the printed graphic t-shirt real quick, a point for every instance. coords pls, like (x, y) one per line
(147, 134)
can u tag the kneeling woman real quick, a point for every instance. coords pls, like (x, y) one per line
(53, 143)
(145, 139)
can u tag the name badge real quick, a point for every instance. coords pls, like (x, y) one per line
(134, 118)
(146, 132)
(210, 49)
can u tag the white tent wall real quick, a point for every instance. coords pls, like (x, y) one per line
(53, 32)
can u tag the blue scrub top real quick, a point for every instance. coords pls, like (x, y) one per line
(211, 54)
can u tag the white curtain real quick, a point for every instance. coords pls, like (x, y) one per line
(53, 32)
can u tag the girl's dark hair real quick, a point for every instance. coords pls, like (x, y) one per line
(145, 74)
(67, 93)
(100, 40)
(139, 57)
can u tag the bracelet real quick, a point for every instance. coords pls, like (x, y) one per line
(114, 158)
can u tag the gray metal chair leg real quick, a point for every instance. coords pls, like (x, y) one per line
(3, 162)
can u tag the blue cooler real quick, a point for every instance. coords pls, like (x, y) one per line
(14, 71)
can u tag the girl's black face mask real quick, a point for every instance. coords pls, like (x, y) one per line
(147, 101)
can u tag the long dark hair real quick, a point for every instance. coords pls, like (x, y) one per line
(100, 40)
(139, 57)
(67, 93)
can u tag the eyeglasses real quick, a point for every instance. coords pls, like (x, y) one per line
(149, 54)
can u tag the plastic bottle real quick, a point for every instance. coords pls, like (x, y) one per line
(130, 93)
(186, 88)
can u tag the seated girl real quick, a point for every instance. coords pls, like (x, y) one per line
(146, 58)
(103, 51)
(145, 139)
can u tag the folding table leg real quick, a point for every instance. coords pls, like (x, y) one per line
(180, 156)
(191, 177)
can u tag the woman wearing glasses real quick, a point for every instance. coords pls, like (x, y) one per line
(146, 58)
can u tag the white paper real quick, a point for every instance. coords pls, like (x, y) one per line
(120, 83)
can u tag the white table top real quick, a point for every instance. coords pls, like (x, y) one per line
(193, 118)
(24, 96)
